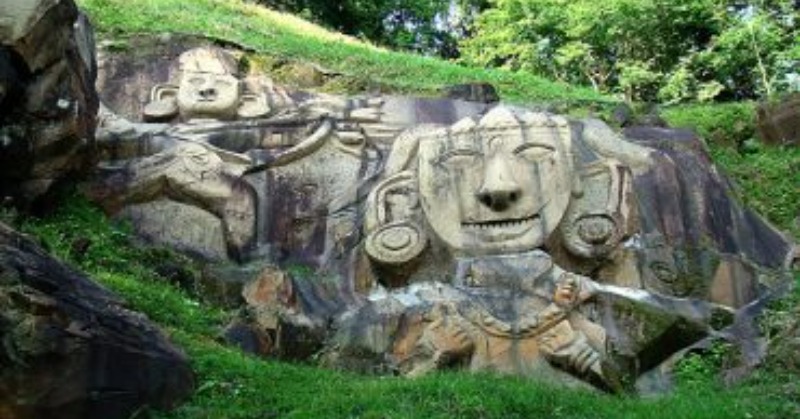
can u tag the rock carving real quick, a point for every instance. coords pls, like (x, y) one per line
(442, 234)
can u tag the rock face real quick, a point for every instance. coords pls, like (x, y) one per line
(70, 349)
(48, 104)
(779, 123)
(417, 235)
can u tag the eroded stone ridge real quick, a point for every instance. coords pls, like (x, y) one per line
(48, 103)
(440, 234)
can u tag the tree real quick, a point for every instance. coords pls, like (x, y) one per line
(426, 26)
(646, 49)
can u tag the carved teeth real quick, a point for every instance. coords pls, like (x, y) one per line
(485, 225)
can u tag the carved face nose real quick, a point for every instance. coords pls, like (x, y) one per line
(498, 200)
(499, 190)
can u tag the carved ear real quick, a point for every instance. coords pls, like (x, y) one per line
(253, 106)
(163, 92)
(599, 219)
(163, 104)
(394, 234)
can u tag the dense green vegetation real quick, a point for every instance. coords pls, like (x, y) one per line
(234, 385)
(664, 50)
(670, 51)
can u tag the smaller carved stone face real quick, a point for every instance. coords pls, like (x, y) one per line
(566, 293)
(208, 87)
(498, 186)
(208, 95)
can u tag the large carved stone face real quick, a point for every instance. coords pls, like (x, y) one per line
(208, 95)
(501, 185)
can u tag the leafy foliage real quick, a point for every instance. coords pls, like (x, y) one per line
(664, 50)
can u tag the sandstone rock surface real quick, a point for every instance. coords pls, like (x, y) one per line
(48, 104)
(71, 349)
(412, 235)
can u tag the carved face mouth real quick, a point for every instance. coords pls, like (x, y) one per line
(501, 230)
(502, 224)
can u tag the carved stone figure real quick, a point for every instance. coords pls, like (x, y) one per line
(440, 234)
(228, 141)
(489, 209)
(208, 88)
(500, 184)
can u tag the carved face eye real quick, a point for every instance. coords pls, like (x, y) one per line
(197, 81)
(223, 83)
(460, 157)
(534, 152)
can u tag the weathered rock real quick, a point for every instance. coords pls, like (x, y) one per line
(48, 104)
(249, 338)
(294, 312)
(473, 92)
(707, 214)
(431, 234)
(779, 123)
(224, 283)
(178, 226)
(70, 348)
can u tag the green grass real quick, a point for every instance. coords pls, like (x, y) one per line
(289, 38)
(726, 124)
(767, 180)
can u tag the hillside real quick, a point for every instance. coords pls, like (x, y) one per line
(234, 385)
(276, 36)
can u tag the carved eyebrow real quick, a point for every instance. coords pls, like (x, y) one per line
(528, 145)
(461, 151)
(446, 155)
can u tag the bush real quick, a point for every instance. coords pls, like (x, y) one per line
(729, 124)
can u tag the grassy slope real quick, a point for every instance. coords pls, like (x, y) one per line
(235, 385)
(277, 35)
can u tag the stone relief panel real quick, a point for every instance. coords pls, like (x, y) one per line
(527, 207)
(439, 234)
(284, 171)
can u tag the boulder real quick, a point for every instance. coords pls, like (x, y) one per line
(473, 92)
(779, 123)
(70, 347)
(48, 104)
